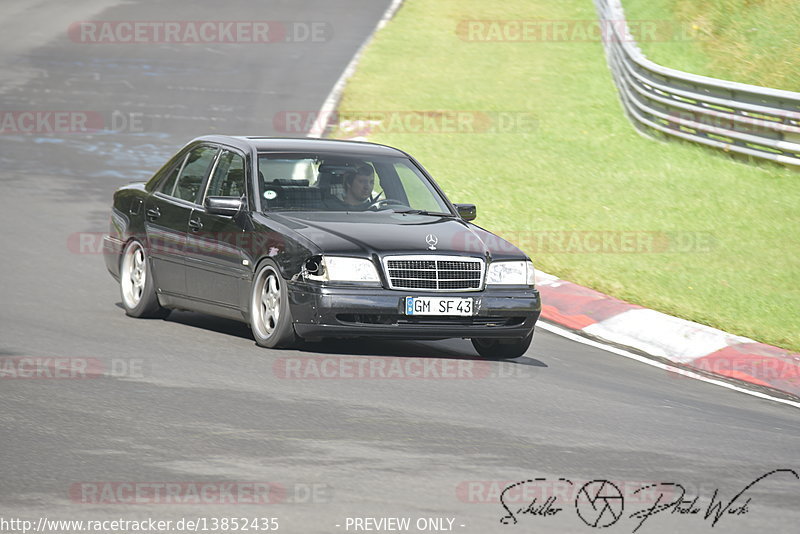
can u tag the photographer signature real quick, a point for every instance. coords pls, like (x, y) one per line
(600, 503)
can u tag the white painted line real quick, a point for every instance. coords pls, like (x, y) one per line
(544, 279)
(329, 106)
(683, 372)
(663, 335)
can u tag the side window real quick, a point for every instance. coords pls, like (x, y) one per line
(168, 185)
(228, 179)
(194, 172)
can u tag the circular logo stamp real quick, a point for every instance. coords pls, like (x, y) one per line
(599, 503)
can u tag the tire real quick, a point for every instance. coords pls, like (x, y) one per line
(136, 284)
(270, 314)
(502, 349)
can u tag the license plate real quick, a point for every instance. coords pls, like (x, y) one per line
(439, 306)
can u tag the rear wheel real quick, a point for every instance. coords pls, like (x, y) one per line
(502, 349)
(270, 315)
(136, 284)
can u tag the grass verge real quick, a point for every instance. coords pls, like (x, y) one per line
(579, 170)
(748, 41)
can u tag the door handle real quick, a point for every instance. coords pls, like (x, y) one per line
(195, 224)
(153, 213)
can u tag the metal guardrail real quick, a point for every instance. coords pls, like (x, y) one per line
(735, 117)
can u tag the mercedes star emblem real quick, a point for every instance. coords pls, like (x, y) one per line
(431, 240)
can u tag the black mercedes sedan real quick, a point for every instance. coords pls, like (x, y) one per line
(305, 239)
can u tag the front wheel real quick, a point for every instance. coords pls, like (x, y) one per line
(502, 349)
(270, 315)
(136, 284)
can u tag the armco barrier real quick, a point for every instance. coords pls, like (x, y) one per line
(735, 117)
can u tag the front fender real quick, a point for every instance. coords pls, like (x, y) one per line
(286, 247)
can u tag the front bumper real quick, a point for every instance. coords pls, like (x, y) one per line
(322, 311)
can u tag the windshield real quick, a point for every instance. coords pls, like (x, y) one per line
(322, 182)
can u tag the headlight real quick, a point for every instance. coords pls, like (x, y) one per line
(511, 273)
(340, 269)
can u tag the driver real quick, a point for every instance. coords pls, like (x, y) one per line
(358, 186)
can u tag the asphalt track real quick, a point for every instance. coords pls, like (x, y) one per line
(193, 399)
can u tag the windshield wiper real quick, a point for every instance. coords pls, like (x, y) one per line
(425, 212)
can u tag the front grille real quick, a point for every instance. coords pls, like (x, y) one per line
(434, 273)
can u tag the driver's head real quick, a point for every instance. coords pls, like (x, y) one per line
(359, 184)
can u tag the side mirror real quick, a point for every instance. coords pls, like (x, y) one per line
(223, 205)
(468, 212)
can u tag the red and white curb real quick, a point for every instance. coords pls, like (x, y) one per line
(689, 345)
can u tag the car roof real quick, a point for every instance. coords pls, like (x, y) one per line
(304, 144)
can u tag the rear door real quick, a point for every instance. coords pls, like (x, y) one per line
(167, 213)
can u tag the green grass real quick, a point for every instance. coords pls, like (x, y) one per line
(748, 41)
(583, 168)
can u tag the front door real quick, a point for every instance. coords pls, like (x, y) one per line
(214, 251)
(167, 213)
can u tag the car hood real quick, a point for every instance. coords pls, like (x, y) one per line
(387, 232)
